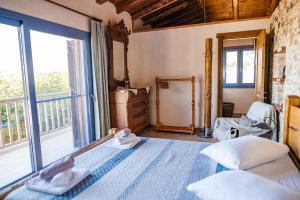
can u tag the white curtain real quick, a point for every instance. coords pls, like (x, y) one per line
(100, 79)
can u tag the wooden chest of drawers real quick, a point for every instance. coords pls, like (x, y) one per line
(129, 109)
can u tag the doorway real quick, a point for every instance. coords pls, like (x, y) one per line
(241, 71)
(239, 76)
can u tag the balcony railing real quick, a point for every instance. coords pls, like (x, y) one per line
(52, 115)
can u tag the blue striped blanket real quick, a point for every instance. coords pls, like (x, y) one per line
(154, 169)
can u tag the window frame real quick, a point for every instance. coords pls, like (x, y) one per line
(239, 50)
(26, 23)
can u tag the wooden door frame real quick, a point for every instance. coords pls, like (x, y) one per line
(221, 37)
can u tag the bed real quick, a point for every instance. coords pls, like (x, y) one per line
(145, 172)
(162, 168)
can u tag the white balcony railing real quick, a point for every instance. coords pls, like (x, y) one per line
(52, 115)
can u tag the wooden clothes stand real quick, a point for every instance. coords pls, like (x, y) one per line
(163, 83)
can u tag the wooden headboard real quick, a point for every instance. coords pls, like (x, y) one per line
(291, 135)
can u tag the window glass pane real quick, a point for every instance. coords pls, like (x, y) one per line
(248, 66)
(231, 67)
(14, 145)
(59, 80)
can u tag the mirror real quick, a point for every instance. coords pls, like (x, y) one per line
(118, 47)
(118, 61)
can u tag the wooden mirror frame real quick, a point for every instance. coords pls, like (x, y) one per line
(117, 32)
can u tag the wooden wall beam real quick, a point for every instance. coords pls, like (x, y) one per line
(235, 9)
(242, 34)
(208, 82)
(152, 8)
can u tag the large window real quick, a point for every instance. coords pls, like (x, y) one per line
(45, 94)
(239, 67)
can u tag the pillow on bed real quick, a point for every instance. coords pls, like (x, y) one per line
(238, 184)
(245, 152)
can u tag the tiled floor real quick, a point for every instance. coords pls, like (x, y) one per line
(150, 132)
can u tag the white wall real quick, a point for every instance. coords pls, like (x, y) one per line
(241, 97)
(47, 11)
(51, 12)
(178, 53)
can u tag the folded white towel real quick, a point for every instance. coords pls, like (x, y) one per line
(42, 185)
(128, 145)
(125, 140)
(120, 140)
(123, 133)
(58, 166)
(62, 178)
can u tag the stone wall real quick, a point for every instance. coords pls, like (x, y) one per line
(285, 31)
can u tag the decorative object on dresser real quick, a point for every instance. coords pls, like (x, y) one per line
(162, 83)
(128, 105)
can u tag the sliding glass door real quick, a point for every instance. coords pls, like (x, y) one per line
(15, 156)
(45, 94)
(58, 65)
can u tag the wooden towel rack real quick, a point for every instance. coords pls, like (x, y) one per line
(159, 126)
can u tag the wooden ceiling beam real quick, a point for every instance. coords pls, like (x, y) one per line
(168, 12)
(187, 19)
(199, 20)
(126, 5)
(175, 17)
(272, 7)
(235, 9)
(153, 8)
(204, 11)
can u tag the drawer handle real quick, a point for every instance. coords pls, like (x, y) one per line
(293, 128)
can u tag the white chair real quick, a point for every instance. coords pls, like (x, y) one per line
(259, 112)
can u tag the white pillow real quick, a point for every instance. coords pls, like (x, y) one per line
(245, 152)
(240, 185)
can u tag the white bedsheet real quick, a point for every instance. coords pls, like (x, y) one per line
(282, 171)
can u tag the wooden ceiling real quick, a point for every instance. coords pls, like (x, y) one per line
(168, 13)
